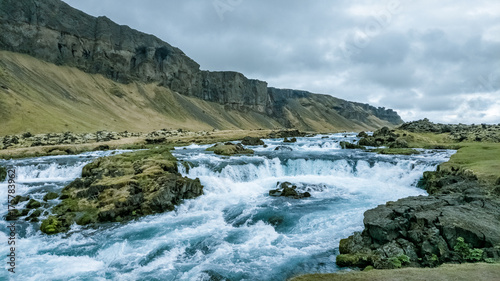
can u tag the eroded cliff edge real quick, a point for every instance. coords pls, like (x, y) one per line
(53, 31)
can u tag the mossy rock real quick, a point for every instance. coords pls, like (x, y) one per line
(51, 225)
(121, 187)
(229, 149)
(12, 215)
(86, 218)
(348, 145)
(50, 196)
(354, 260)
(36, 213)
(33, 204)
(3, 173)
(18, 199)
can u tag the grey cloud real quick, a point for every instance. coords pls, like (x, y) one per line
(436, 48)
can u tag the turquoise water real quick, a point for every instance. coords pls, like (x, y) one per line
(235, 231)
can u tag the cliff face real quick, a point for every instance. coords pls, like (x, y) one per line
(53, 31)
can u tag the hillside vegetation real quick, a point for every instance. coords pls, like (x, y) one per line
(40, 97)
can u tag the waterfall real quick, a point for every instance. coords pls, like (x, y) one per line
(235, 231)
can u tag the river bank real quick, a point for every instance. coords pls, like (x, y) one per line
(458, 222)
(451, 272)
(236, 230)
(27, 145)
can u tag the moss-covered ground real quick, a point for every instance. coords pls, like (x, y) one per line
(446, 272)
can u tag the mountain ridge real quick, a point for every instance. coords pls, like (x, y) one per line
(54, 32)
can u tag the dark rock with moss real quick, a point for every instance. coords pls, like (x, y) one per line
(229, 149)
(12, 215)
(3, 173)
(33, 204)
(50, 196)
(283, 148)
(122, 187)
(18, 199)
(52, 225)
(427, 229)
(381, 137)
(348, 145)
(252, 141)
(287, 189)
(286, 134)
(291, 140)
(362, 134)
(457, 132)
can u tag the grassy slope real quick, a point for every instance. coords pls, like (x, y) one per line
(447, 272)
(41, 97)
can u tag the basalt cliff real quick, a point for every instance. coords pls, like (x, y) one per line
(61, 38)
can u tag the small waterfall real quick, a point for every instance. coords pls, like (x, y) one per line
(235, 231)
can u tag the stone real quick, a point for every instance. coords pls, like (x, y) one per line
(252, 141)
(286, 189)
(50, 196)
(348, 145)
(122, 187)
(283, 148)
(229, 149)
(33, 204)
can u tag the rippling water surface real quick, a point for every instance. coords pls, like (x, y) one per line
(235, 231)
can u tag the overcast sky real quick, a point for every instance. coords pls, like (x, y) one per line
(435, 59)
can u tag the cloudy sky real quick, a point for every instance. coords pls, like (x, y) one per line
(435, 59)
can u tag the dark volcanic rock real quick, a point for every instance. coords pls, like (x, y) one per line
(348, 145)
(458, 132)
(383, 137)
(286, 189)
(283, 148)
(427, 229)
(229, 149)
(252, 141)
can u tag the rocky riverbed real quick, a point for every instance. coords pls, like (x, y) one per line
(458, 222)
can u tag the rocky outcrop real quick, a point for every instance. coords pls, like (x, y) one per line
(458, 222)
(458, 132)
(29, 140)
(3, 173)
(229, 148)
(252, 141)
(120, 188)
(53, 31)
(289, 190)
(383, 137)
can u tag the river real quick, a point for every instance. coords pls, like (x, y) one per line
(235, 231)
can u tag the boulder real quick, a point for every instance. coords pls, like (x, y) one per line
(348, 145)
(120, 188)
(283, 148)
(286, 189)
(229, 149)
(426, 228)
(252, 141)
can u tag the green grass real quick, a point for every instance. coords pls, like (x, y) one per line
(446, 272)
(483, 159)
(396, 151)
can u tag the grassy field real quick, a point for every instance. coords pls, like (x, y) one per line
(446, 272)
(483, 159)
